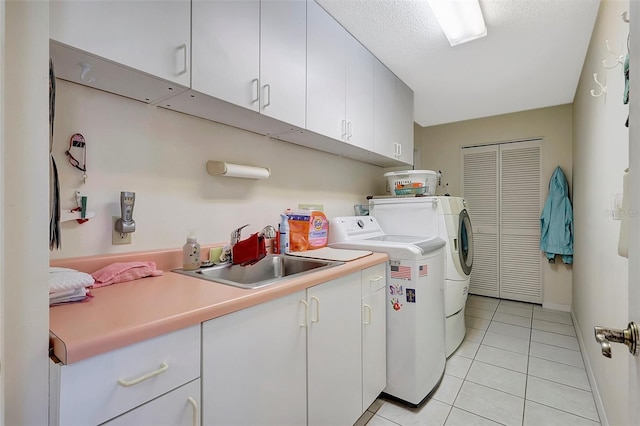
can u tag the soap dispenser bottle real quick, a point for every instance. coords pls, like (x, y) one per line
(284, 234)
(191, 254)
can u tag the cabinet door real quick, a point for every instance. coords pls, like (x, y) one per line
(374, 333)
(334, 352)
(180, 407)
(404, 121)
(359, 94)
(253, 365)
(326, 73)
(150, 36)
(384, 138)
(283, 60)
(226, 50)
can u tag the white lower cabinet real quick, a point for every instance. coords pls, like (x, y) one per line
(374, 333)
(180, 407)
(298, 359)
(254, 365)
(334, 352)
(98, 389)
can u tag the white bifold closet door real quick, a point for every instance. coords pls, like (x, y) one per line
(503, 188)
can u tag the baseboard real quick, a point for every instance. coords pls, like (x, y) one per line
(556, 307)
(592, 380)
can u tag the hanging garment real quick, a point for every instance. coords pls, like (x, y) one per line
(556, 221)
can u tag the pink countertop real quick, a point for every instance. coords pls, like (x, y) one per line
(126, 313)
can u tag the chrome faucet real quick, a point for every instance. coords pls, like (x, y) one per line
(236, 235)
(268, 231)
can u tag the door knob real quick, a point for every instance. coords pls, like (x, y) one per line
(629, 336)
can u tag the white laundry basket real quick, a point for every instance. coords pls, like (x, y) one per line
(412, 182)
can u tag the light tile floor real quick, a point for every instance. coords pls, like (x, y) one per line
(518, 365)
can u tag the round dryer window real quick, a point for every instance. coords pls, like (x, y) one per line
(465, 237)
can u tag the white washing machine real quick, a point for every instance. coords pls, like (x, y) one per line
(448, 218)
(415, 303)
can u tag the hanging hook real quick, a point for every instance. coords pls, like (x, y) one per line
(86, 68)
(603, 88)
(625, 17)
(619, 57)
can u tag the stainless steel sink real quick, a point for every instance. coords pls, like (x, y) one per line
(269, 270)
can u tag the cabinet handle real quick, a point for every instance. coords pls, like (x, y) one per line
(257, 92)
(184, 67)
(317, 309)
(344, 128)
(126, 383)
(306, 313)
(267, 89)
(367, 311)
(196, 412)
(349, 130)
(376, 279)
(399, 150)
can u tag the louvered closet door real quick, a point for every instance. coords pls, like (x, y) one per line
(520, 206)
(502, 186)
(480, 189)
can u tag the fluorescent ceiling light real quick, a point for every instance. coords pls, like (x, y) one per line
(461, 20)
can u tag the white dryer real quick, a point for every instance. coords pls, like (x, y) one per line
(448, 218)
(415, 303)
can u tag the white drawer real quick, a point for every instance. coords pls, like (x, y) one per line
(100, 388)
(180, 407)
(374, 278)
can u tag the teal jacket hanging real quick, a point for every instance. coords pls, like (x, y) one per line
(556, 221)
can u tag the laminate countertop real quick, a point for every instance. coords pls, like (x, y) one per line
(126, 313)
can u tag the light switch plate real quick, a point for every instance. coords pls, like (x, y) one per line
(118, 238)
(318, 207)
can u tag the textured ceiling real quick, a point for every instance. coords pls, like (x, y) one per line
(532, 55)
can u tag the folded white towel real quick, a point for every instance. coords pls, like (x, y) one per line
(66, 296)
(68, 279)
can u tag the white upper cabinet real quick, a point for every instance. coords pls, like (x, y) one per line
(326, 76)
(339, 81)
(393, 116)
(251, 53)
(283, 60)
(383, 111)
(359, 94)
(226, 50)
(404, 121)
(150, 36)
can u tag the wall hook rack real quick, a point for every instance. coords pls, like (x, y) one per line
(619, 58)
(603, 88)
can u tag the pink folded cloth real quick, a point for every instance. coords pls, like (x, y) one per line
(120, 272)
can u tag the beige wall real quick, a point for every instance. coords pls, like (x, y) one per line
(440, 149)
(161, 155)
(600, 154)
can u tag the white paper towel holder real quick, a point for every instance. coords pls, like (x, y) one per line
(221, 168)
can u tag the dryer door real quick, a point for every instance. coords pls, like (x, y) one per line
(465, 242)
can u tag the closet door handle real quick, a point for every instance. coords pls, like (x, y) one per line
(127, 383)
(184, 66)
(196, 411)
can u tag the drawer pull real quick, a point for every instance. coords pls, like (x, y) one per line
(126, 383)
(196, 414)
